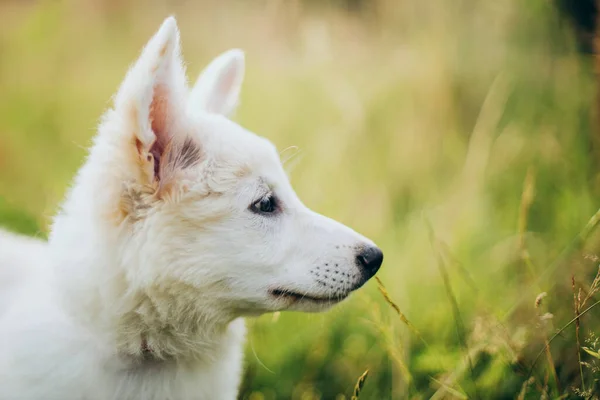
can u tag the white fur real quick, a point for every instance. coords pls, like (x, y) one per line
(141, 289)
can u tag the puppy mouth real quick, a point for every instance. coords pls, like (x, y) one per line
(297, 297)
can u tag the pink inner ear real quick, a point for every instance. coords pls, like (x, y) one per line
(159, 117)
(225, 85)
(229, 80)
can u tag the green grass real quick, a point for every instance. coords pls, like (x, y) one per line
(457, 134)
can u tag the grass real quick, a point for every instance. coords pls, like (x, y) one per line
(459, 135)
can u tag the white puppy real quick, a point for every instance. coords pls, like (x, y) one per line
(180, 223)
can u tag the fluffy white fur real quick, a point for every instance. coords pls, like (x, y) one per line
(161, 248)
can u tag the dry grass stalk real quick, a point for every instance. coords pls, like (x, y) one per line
(525, 388)
(403, 318)
(543, 317)
(444, 385)
(558, 333)
(360, 383)
(577, 306)
(388, 336)
(594, 288)
(539, 298)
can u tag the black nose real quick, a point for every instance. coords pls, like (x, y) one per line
(370, 260)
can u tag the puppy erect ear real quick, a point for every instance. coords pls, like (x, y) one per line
(151, 103)
(217, 89)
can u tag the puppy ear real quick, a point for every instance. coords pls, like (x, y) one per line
(151, 102)
(217, 89)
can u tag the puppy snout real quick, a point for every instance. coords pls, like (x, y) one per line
(369, 259)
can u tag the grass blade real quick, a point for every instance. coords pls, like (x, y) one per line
(460, 329)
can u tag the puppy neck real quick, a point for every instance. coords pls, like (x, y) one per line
(170, 323)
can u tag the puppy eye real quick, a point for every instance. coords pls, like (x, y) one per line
(266, 205)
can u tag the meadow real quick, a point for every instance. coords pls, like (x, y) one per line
(460, 135)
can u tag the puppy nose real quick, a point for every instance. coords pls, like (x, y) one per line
(370, 260)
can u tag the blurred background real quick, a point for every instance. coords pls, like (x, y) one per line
(460, 135)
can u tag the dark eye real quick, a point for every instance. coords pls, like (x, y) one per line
(266, 205)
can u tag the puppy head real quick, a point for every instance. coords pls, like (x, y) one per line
(187, 196)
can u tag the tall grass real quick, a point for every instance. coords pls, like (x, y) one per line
(456, 134)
